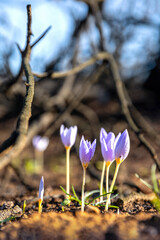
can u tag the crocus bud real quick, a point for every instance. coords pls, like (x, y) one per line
(122, 147)
(40, 143)
(86, 151)
(41, 189)
(68, 136)
(107, 148)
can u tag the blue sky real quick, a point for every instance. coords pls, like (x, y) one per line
(59, 14)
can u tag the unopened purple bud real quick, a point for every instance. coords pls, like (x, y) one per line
(40, 143)
(41, 189)
(86, 150)
(123, 146)
(68, 136)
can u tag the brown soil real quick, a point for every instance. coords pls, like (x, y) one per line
(136, 219)
(90, 225)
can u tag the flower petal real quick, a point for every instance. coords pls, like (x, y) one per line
(68, 137)
(104, 149)
(41, 188)
(103, 134)
(116, 139)
(35, 141)
(84, 153)
(73, 135)
(123, 146)
(63, 133)
(61, 129)
(108, 150)
(110, 136)
(43, 144)
(93, 147)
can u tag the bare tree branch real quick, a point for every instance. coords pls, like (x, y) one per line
(18, 139)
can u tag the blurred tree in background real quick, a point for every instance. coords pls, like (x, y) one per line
(128, 30)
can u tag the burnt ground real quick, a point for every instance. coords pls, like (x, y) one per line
(137, 217)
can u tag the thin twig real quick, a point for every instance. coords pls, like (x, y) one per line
(98, 20)
(29, 23)
(40, 37)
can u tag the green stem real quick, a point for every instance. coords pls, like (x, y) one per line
(39, 161)
(68, 170)
(112, 185)
(107, 178)
(83, 185)
(102, 180)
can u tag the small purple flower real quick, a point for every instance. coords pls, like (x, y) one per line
(122, 147)
(41, 189)
(68, 136)
(86, 151)
(107, 146)
(40, 143)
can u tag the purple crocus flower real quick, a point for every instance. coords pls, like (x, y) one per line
(122, 147)
(68, 136)
(86, 151)
(40, 143)
(107, 145)
(41, 189)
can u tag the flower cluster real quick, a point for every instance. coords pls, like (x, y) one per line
(114, 148)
